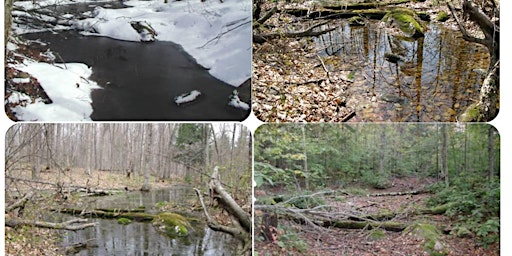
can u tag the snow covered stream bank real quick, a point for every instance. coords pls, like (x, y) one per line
(140, 80)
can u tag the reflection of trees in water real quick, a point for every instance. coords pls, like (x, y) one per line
(141, 238)
(436, 76)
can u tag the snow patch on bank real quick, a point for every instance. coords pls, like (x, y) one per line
(217, 35)
(65, 84)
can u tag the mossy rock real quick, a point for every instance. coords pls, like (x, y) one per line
(442, 16)
(472, 114)
(172, 224)
(124, 221)
(432, 236)
(407, 21)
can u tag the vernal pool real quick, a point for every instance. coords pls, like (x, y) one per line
(437, 77)
(141, 238)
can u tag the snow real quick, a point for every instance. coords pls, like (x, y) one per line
(217, 35)
(67, 87)
(187, 97)
(236, 102)
(21, 80)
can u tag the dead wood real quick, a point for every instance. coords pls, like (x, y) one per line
(67, 188)
(20, 203)
(365, 5)
(241, 228)
(335, 14)
(413, 192)
(67, 225)
(110, 214)
(261, 38)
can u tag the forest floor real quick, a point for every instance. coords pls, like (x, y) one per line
(293, 238)
(292, 83)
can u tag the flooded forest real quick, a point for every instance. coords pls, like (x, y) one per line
(377, 189)
(128, 189)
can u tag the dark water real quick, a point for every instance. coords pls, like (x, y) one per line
(140, 80)
(437, 79)
(138, 238)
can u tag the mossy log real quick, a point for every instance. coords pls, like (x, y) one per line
(365, 5)
(137, 215)
(348, 224)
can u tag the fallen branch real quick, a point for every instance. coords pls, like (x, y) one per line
(67, 225)
(261, 38)
(20, 203)
(325, 68)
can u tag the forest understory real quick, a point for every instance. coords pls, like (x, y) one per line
(408, 226)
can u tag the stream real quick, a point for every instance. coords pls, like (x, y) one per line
(141, 238)
(437, 78)
(140, 80)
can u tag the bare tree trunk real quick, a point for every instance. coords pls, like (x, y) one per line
(8, 20)
(444, 155)
(305, 161)
(146, 161)
(490, 148)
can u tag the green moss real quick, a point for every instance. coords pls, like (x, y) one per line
(442, 16)
(432, 236)
(406, 21)
(377, 234)
(124, 221)
(472, 114)
(356, 21)
(172, 224)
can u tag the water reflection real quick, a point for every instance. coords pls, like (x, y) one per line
(137, 238)
(435, 79)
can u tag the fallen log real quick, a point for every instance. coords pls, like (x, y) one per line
(364, 5)
(242, 226)
(348, 224)
(67, 225)
(335, 14)
(132, 215)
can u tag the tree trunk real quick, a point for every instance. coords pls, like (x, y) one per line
(7, 19)
(490, 149)
(146, 157)
(444, 155)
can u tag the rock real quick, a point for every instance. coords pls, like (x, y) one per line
(407, 21)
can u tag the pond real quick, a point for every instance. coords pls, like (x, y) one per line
(437, 76)
(140, 80)
(141, 238)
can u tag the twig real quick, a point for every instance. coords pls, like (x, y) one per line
(325, 68)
